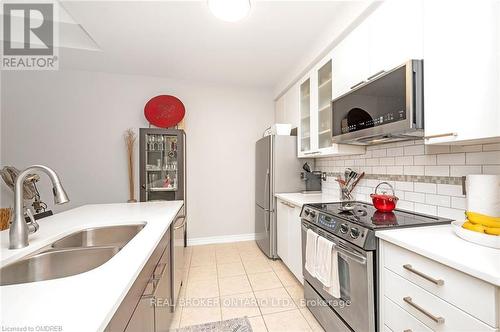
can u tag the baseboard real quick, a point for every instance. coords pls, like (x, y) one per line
(220, 239)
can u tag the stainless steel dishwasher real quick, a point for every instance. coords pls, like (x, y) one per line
(177, 254)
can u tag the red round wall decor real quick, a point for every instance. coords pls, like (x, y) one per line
(164, 111)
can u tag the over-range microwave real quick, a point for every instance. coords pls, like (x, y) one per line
(387, 107)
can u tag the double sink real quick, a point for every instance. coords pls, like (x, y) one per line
(76, 253)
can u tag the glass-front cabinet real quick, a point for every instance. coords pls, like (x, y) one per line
(315, 104)
(161, 164)
(305, 116)
(325, 105)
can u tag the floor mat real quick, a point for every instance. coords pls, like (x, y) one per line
(230, 325)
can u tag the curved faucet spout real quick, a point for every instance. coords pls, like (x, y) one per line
(19, 230)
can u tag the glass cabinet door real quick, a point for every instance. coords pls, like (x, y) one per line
(305, 115)
(325, 105)
(161, 163)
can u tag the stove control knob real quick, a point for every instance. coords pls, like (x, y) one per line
(354, 233)
(312, 214)
(306, 212)
(344, 228)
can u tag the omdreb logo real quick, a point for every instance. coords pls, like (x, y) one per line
(29, 33)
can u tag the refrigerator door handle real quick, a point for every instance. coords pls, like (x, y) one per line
(266, 183)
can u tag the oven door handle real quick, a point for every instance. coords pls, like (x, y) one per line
(352, 255)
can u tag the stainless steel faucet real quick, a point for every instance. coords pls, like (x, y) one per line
(19, 229)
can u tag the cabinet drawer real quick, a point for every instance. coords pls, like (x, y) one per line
(434, 312)
(468, 293)
(397, 319)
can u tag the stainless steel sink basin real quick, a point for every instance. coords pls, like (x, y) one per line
(55, 264)
(76, 253)
(117, 236)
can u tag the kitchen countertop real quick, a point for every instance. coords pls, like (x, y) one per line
(299, 199)
(441, 244)
(85, 302)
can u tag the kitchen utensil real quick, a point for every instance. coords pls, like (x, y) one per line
(384, 202)
(492, 241)
(356, 181)
(306, 168)
(164, 111)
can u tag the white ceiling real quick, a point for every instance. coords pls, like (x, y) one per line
(182, 40)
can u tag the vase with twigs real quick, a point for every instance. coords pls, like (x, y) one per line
(130, 138)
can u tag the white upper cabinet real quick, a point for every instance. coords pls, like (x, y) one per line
(324, 102)
(286, 108)
(396, 34)
(351, 61)
(315, 130)
(305, 123)
(461, 40)
(390, 36)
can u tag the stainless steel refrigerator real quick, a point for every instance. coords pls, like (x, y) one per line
(277, 170)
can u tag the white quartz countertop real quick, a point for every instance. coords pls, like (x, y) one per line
(85, 302)
(299, 199)
(442, 245)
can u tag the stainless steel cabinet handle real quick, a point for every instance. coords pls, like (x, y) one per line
(437, 320)
(376, 74)
(356, 85)
(440, 135)
(181, 225)
(408, 330)
(439, 282)
(312, 153)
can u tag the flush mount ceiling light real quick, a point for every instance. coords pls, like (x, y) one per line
(229, 10)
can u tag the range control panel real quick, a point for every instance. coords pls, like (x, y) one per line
(344, 229)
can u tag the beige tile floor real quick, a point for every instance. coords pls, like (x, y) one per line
(232, 280)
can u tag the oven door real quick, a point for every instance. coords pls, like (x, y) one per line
(356, 273)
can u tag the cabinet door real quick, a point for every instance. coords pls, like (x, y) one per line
(350, 64)
(396, 34)
(323, 78)
(292, 106)
(461, 66)
(282, 211)
(279, 110)
(304, 142)
(163, 297)
(143, 318)
(295, 243)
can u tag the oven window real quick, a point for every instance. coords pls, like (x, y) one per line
(380, 102)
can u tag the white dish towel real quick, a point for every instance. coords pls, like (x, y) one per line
(311, 241)
(324, 261)
(334, 289)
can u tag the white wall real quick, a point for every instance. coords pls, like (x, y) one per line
(74, 122)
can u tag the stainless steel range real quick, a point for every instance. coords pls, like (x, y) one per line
(351, 226)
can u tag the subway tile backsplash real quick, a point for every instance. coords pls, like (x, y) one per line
(427, 179)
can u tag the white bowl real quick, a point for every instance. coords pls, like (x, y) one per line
(492, 241)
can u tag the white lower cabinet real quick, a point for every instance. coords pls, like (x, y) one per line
(420, 294)
(289, 237)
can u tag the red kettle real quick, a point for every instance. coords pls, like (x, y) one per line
(384, 202)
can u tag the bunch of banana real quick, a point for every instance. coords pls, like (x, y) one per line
(481, 223)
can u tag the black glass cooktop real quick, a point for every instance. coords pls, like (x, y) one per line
(366, 215)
